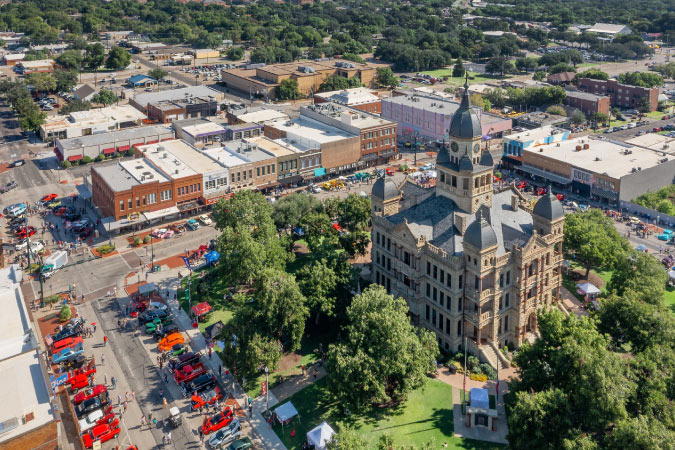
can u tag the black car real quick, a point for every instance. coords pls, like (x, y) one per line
(182, 361)
(72, 216)
(199, 384)
(80, 227)
(8, 187)
(165, 331)
(75, 363)
(73, 328)
(149, 316)
(89, 405)
(17, 163)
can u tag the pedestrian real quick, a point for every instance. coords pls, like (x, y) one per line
(303, 370)
(114, 381)
(220, 370)
(161, 392)
(133, 396)
(201, 435)
(164, 403)
(126, 396)
(161, 363)
(119, 400)
(166, 379)
(126, 404)
(168, 437)
(150, 417)
(127, 310)
(143, 421)
(216, 405)
(105, 340)
(250, 410)
(103, 360)
(210, 350)
(94, 327)
(105, 379)
(316, 372)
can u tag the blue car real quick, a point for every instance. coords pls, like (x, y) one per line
(68, 354)
(192, 225)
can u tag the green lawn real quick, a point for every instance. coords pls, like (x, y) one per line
(426, 415)
(213, 295)
(670, 298)
(604, 274)
(458, 81)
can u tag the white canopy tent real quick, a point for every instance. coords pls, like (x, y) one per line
(588, 288)
(320, 435)
(285, 413)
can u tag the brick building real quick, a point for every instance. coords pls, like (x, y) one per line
(167, 111)
(588, 103)
(621, 95)
(363, 99)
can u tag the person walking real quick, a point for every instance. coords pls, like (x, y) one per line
(220, 370)
(166, 378)
(210, 350)
(201, 435)
(105, 340)
(143, 422)
(165, 403)
(94, 327)
(119, 400)
(103, 360)
(114, 382)
(133, 396)
(126, 404)
(105, 379)
(161, 392)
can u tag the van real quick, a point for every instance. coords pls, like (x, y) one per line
(168, 342)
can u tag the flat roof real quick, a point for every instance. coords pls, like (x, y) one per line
(142, 171)
(169, 157)
(247, 150)
(425, 103)
(602, 157)
(311, 129)
(653, 141)
(113, 136)
(271, 146)
(175, 94)
(354, 96)
(535, 134)
(192, 161)
(584, 95)
(264, 115)
(358, 119)
(225, 157)
(606, 28)
(204, 128)
(16, 330)
(14, 56)
(116, 177)
(37, 63)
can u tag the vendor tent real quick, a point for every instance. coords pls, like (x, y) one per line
(201, 309)
(588, 290)
(285, 412)
(641, 248)
(671, 274)
(320, 435)
(147, 289)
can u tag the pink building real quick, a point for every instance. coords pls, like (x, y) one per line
(430, 116)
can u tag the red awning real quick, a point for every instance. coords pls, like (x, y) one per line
(151, 142)
(201, 309)
(74, 158)
(123, 148)
(109, 151)
(167, 139)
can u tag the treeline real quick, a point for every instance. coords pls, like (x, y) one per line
(17, 95)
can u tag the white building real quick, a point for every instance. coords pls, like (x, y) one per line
(85, 123)
(608, 30)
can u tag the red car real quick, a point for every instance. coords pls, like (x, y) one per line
(68, 342)
(137, 307)
(199, 401)
(541, 191)
(25, 232)
(101, 433)
(220, 420)
(189, 373)
(560, 197)
(521, 185)
(98, 390)
(48, 198)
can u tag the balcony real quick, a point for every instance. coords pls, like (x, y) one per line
(485, 318)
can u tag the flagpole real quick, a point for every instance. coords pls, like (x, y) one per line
(464, 381)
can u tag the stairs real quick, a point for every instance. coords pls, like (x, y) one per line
(491, 354)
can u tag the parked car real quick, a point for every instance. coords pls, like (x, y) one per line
(199, 384)
(241, 444)
(192, 225)
(72, 328)
(150, 315)
(67, 354)
(177, 228)
(206, 220)
(37, 246)
(226, 434)
(15, 210)
(96, 391)
(160, 334)
(98, 417)
(182, 360)
(25, 232)
(63, 344)
(177, 350)
(198, 401)
(17, 163)
(136, 308)
(218, 421)
(169, 341)
(189, 373)
(102, 433)
(88, 406)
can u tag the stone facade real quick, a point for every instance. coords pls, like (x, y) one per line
(473, 264)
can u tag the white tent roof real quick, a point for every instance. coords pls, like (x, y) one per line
(320, 435)
(588, 288)
(671, 274)
(286, 411)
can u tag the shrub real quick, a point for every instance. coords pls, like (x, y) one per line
(403, 167)
(65, 313)
(86, 160)
(51, 299)
(138, 241)
(116, 154)
(457, 366)
(472, 362)
(34, 267)
(489, 371)
(147, 239)
(65, 164)
(130, 152)
(100, 157)
(556, 109)
(105, 249)
(75, 163)
(505, 350)
(478, 377)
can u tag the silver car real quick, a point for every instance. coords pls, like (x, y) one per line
(226, 435)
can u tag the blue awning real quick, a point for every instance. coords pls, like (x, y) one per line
(319, 172)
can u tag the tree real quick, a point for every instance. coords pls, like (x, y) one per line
(65, 313)
(642, 79)
(353, 57)
(346, 439)
(235, 53)
(94, 56)
(592, 239)
(383, 356)
(500, 65)
(557, 110)
(105, 97)
(354, 212)
(207, 40)
(245, 209)
(31, 117)
(594, 74)
(118, 58)
(561, 67)
(496, 96)
(526, 64)
(158, 73)
(539, 75)
(643, 106)
(70, 59)
(577, 117)
(317, 282)
(665, 206)
(288, 90)
(458, 69)
(65, 80)
(338, 83)
(640, 273)
(600, 117)
(75, 105)
(42, 82)
(289, 210)
(384, 77)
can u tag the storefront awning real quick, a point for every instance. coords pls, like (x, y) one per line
(541, 173)
(151, 142)
(74, 158)
(109, 151)
(290, 180)
(267, 185)
(609, 195)
(319, 172)
(214, 198)
(123, 148)
(151, 215)
(188, 206)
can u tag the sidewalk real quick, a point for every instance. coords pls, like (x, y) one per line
(298, 383)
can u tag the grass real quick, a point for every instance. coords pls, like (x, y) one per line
(458, 81)
(658, 115)
(670, 298)
(221, 308)
(425, 415)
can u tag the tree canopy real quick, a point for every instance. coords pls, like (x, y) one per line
(338, 83)
(384, 77)
(105, 97)
(642, 79)
(288, 90)
(118, 58)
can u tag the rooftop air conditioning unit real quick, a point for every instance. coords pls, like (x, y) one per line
(597, 158)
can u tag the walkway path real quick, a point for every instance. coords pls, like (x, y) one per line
(299, 382)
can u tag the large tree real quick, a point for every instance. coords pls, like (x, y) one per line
(105, 97)
(593, 240)
(289, 210)
(318, 282)
(94, 56)
(640, 273)
(118, 58)
(70, 59)
(338, 83)
(384, 77)
(354, 212)
(382, 356)
(288, 90)
(42, 82)
(158, 73)
(65, 80)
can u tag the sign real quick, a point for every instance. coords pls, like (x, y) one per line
(263, 387)
(96, 445)
(58, 381)
(187, 262)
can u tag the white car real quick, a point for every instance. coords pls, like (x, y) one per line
(37, 246)
(206, 220)
(21, 245)
(90, 421)
(226, 435)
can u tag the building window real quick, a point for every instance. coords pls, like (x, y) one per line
(465, 184)
(130, 203)
(501, 280)
(433, 316)
(506, 300)
(165, 195)
(454, 181)
(448, 282)
(506, 323)
(442, 276)
(508, 277)
(428, 290)
(121, 205)
(435, 295)
(459, 328)
(143, 198)
(459, 304)
(442, 298)
(435, 275)
(152, 198)
(427, 312)
(460, 285)
(428, 268)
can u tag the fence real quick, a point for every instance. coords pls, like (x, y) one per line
(650, 214)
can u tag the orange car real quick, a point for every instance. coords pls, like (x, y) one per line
(168, 342)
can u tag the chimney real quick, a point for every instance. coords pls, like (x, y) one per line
(460, 222)
(514, 202)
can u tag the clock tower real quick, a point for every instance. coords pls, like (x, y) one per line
(464, 169)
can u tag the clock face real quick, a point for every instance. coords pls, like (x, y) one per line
(454, 146)
(476, 148)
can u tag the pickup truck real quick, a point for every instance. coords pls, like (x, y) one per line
(189, 373)
(182, 361)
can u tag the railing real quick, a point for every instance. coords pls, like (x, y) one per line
(486, 318)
